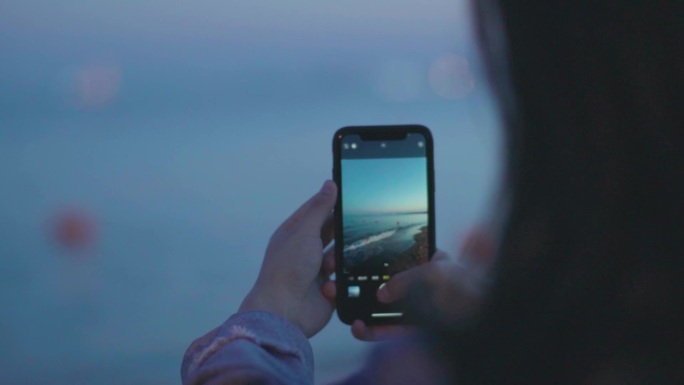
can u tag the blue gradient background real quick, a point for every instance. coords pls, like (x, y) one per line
(215, 124)
(384, 186)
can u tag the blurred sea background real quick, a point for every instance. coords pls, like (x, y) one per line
(149, 149)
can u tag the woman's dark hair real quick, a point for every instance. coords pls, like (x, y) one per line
(589, 285)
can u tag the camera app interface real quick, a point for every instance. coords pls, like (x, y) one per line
(384, 210)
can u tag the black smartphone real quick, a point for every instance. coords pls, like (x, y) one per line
(384, 216)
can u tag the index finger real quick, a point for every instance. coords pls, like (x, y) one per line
(319, 205)
(363, 332)
(398, 286)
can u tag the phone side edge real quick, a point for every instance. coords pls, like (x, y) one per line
(340, 300)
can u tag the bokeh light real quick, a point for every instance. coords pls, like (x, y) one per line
(90, 86)
(450, 77)
(74, 229)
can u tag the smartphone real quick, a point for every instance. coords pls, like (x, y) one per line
(384, 215)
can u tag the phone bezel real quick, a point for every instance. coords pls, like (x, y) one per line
(345, 311)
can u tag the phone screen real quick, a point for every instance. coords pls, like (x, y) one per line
(385, 216)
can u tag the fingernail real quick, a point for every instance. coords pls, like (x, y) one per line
(328, 187)
(383, 294)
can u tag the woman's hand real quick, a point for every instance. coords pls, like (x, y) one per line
(454, 287)
(292, 273)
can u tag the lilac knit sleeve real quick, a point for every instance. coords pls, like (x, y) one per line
(251, 347)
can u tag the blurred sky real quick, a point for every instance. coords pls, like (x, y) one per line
(388, 186)
(149, 149)
(190, 55)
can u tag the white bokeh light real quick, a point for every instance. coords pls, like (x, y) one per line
(450, 77)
